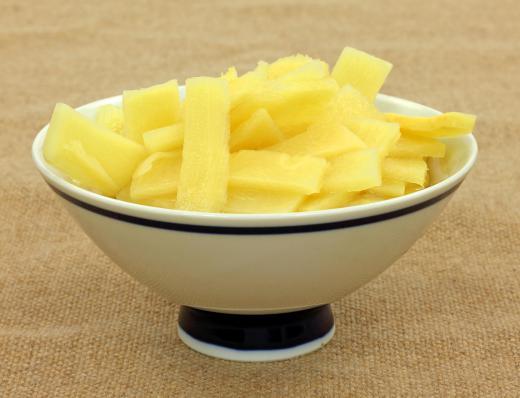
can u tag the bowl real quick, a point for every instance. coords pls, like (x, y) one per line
(258, 287)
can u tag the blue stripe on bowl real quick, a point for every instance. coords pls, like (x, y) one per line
(220, 230)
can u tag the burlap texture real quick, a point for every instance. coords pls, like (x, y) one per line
(443, 321)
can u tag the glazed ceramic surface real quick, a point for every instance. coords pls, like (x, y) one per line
(265, 263)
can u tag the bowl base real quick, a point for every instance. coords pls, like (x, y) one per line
(256, 338)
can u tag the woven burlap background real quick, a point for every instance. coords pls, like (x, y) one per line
(443, 321)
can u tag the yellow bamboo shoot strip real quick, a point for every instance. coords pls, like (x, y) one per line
(445, 125)
(405, 169)
(116, 154)
(164, 139)
(230, 75)
(327, 139)
(291, 104)
(361, 70)
(205, 157)
(150, 108)
(111, 117)
(314, 69)
(276, 171)
(353, 171)
(256, 132)
(324, 201)
(376, 134)
(85, 170)
(285, 65)
(365, 198)
(389, 188)
(348, 105)
(164, 201)
(305, 103)
(262, 68)
(157, 175)
(242, 86)
(413, 146)
(410, 187)
(248, 200)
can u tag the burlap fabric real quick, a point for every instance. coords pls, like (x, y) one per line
(443, 321)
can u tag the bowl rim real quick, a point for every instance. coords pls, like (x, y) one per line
(192, 221)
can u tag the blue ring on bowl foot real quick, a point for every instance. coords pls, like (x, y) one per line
(256, 337)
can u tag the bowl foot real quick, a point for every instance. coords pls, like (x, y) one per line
(256, 338)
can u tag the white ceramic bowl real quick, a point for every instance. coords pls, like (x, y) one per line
(266, 263)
